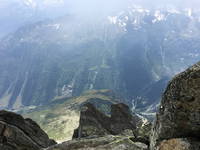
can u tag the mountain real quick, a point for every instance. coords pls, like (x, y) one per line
(18, 13)
(133, 53)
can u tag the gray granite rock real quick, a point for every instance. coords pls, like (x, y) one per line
(108, 142)
(17, 133)
(179, 113)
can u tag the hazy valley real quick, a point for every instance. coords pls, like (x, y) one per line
(106, 78)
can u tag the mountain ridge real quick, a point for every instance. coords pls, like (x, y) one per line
(69, 55)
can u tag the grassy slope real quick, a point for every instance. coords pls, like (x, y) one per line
(60, 118)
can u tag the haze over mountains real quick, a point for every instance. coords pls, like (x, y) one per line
(130, 49)
(17, 13)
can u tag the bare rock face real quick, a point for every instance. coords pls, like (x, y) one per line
(179, 113)
(17, 133)
(92, 122)
(121, 119)
(95, 123)
(97, 131)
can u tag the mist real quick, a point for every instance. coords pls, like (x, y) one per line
(16, 13)
(103, 6)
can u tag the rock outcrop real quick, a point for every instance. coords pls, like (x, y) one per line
(95, 123)
(178, 119)
(180, 144)
(61, 117)
(101, 132)
(98, 131)
(108, 142)
(17, 133)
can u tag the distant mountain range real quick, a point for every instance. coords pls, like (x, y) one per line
(133, 53)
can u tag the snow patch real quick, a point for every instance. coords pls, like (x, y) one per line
(122, 24)
(193, 55)
(126, 17)
(144, 120)
(112, 19)
(173, 11)
(159, 16)
(188, 12)
(55, 26)
(93, 80)
(67, 90)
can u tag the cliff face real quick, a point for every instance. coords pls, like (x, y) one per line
(178, 120)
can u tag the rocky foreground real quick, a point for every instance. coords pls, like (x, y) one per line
(96, 130)
(177, 124)
(17, 133)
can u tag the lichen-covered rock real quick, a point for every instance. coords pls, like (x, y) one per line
(93, 122)
(180, 144)
(179, 113)
(108, 142)
(17, 133)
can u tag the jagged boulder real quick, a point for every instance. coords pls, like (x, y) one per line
(100, 132)
(179, 113)
(95, 123)
(122, 119)
(92, 122)
(17, 133)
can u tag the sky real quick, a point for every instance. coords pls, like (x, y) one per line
(59, 7)
(176, 3)
(95, 5)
